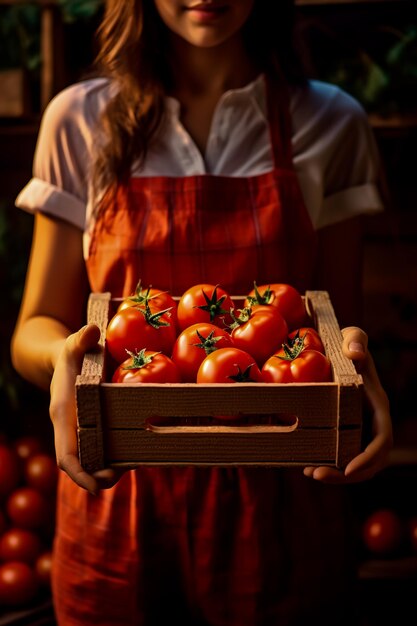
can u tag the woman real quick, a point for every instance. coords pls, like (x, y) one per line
(200, 152)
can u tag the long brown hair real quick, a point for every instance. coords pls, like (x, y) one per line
(133, 55)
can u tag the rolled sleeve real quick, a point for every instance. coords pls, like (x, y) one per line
(359, 200)
(39, 195)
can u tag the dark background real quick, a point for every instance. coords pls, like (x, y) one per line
(370, 49)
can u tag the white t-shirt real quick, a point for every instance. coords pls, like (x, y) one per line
(334, 151)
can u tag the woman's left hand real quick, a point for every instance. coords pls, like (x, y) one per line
(375, 456)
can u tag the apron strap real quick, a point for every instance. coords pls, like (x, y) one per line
(280, 123)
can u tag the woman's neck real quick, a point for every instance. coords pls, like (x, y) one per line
(200, 72)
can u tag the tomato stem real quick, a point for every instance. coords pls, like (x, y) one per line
(213, 305)
(293, 348)
(154, 319)
(140, 359)
(243, 377)
(259, 298)
(208, 344)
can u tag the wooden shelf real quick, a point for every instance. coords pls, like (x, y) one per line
(334, 2)
(41, 614)
(403, 456)
(389, 569)
(399, 121)
(51, 46)
(41, 3)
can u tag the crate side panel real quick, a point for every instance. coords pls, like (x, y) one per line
(87, 391)
(343, 368)
(133, 446)
(348, 445)
(90, 449)
(350, 406)
(128, 406)
(98, 312)
(330, 333)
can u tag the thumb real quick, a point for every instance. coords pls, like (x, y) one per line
(79, 343)
(355, 343)
(87, 337)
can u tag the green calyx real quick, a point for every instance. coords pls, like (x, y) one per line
(213, 305)
(154, 319)
(208, 344)
(142, 296)
(242, 317)
(293, 348)
(259, 298)
(243, 377)
(139, 359)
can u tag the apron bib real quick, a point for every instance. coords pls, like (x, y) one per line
(200, 546)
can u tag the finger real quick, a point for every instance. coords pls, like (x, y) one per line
(107, 478)
(308, 471)
(355, 343)
(372, 459)
(66, 448)
(333, 476)
(71, 466)
(328, 475)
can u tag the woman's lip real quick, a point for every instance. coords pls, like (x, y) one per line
(207, 13)
(209, 8)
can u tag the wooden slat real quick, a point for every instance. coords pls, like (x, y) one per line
(348, 446)
(91, 452)
(315, 446)
(127, 406)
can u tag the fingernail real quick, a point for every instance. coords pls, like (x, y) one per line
(355, 346)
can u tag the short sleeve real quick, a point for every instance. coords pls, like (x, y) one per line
(335, 155)
(62, 161)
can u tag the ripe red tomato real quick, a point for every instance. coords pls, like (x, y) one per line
(204, 303)
(41, 472)
(3, 522)
(19, 544)
(135, 328)
(382, 532)
(285, 298)
(43, 568)
(28, 508)
(147, 366)
(28, 445)
(194, 344)
(309, 367)
(412, 532)
(158, 298)
(18, 584)
(9, 470)
(229, 365)
(259, 331)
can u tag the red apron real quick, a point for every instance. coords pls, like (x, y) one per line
(200, 546)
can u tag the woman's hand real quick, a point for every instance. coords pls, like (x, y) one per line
(375, 456)
(63, 411)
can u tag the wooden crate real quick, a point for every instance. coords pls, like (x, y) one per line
(166, 424)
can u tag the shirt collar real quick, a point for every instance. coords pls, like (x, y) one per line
(254, 91)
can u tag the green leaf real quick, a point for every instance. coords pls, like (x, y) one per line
(74, 10)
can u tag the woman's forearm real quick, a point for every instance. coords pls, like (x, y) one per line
(35, 347)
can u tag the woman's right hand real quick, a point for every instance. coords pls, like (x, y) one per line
(63, 411)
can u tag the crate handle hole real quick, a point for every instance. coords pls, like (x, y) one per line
(277, 422)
